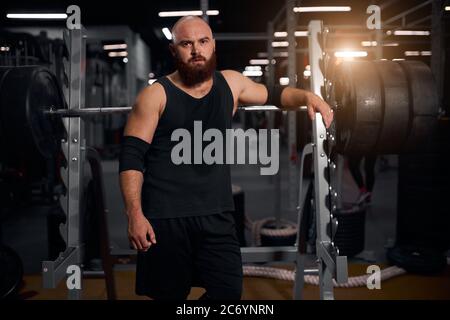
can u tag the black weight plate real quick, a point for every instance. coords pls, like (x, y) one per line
(11, 272)
(424, 105)
(3, 73)
(396, 113)
(359, 113)
(420, 260)
(25, 93)
(422, 86)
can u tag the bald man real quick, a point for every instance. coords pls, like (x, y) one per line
(180, 216)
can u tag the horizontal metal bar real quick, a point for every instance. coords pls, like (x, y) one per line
(94, 274)
(86, 112)
(418, 21)
(69, 113)
(405, 13)
(268, 108)
(241, 36)
(54, 271)
(268, 254)
(249, 254)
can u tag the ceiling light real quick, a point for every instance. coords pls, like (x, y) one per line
(284, 34)
(259, 61)
(118, 54)
(278, 44)
(165, 14)
(36, 16)
(411, 33)
(248, 73)
(114, 46)
(323, 9)
(284, 81)
(167, 33)
(412, 53)
(369, 43)
(253, 68)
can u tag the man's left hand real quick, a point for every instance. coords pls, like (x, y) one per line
(315, 104)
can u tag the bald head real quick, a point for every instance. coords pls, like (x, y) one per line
(193, 49)
(188, 26)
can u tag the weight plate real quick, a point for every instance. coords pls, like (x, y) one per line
(11, 272)
(358, 96)
(424, 106)
(26, 92)
(396, 113)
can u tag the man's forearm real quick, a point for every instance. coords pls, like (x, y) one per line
(293, 98)
(131, 187)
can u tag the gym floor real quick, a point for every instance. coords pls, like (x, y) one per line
(26, 232)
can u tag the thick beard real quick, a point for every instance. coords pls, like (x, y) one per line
(193, 74)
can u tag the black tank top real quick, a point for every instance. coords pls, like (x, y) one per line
(182, 190)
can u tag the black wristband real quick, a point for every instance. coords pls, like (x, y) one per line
(274, 95)
(132, 153)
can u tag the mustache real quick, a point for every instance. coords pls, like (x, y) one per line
(197, 58)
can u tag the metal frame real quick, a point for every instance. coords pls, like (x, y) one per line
(292, 116)
(331, 265)
(404, 14)
(438, 47)
(54, 271)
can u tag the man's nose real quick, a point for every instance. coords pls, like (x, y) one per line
(194, 49)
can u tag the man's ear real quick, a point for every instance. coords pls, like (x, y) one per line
(172, 48)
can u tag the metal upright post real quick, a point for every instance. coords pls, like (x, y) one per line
(270, 80)
(302, 229)
(75, 140)
(270, 74)
(204, 8)
(292, 115)
(330, 263)
(72, 174)
(379, 48)
(437, 51)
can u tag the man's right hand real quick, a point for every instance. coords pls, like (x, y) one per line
(138, 229)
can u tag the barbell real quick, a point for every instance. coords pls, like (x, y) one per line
(380, 106)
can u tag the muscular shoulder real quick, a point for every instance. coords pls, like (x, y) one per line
(246, 90)
(154, 93)
(235, 80)
(233, 77)
(151, 98)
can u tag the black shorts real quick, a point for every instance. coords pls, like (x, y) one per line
(200, 251)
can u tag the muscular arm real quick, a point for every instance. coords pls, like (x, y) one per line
(250, 92)
(141, 124)
(292, 98)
